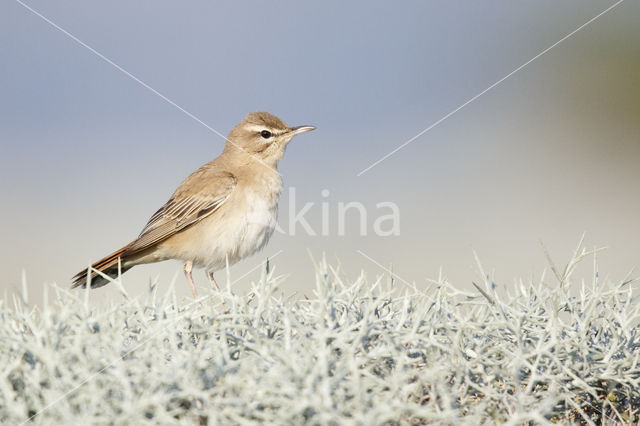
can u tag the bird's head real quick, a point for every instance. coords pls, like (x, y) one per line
(262, 136)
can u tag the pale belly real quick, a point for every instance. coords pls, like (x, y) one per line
(231, 234)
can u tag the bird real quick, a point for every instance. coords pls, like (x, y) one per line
(221, 213)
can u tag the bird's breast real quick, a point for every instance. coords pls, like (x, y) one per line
(260, 220)
(241, 227)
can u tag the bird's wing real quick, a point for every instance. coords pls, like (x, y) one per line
(199, 196)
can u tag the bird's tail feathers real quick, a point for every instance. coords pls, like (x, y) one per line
(107, 266)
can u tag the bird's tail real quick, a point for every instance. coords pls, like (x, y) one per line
(107, 266)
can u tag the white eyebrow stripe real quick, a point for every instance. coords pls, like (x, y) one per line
(258, 128)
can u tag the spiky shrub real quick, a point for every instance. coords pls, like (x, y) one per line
(379, 352)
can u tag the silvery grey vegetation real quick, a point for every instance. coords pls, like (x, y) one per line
(550, 350)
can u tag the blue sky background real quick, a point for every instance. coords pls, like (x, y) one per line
(88, 154)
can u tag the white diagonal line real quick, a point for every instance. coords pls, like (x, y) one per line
(393, 274)
(112, 363)
(489, 88)
(133, 77)
(118, 67)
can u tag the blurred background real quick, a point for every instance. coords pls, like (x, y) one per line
(88, 154)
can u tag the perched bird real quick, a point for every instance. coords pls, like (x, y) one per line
(224, 210)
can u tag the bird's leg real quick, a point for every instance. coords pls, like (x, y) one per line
(188, 266)
(215, 284)
(213, 280)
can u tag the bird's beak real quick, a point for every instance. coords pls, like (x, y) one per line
(300, 129)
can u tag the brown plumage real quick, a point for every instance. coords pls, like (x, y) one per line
(107, 265)
(223, 211)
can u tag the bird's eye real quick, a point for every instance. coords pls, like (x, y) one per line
(265, 134)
